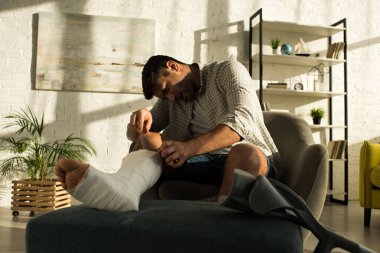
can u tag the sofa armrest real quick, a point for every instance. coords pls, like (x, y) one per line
(369, 159)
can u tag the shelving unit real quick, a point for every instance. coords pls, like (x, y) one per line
(326, 126)
(302, 93)
(296, 60)
(281, 26)
(318, 32)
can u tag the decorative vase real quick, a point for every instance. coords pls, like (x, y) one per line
(42, 196)
(286, 49)
(317, 121)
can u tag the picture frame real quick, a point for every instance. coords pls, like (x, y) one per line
(78, 52)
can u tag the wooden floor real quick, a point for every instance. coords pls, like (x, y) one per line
(346, 220)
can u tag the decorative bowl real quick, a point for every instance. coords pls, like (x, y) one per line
(286, 49)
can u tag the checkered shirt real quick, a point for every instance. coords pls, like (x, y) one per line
(227, 93)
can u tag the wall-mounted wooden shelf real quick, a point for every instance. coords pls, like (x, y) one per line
(316, 30)
(289, 92)
(296, 60)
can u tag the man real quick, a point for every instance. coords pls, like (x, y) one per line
(202, 113)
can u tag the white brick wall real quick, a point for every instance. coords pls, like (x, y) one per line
(180, 25)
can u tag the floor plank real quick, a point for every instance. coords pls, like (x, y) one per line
(12, 231)
(348, 221)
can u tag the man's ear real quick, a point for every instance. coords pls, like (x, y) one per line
(172, 65)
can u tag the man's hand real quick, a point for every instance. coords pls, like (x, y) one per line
(175, 153)
(141, 120)
(70, 172)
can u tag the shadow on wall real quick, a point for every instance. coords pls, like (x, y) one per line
(219, 43)
(363, 43)
(221, 40)
(85, 118)
(16, 4)
(89, 117)
(33, 64)
(69, 110)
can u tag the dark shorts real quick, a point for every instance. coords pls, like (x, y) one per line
(203, 169)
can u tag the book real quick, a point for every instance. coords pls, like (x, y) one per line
(341, 149)
(280, 84)
(276, 87)
(336, 149)
(266, 106)
(330, 148)
(334, 50)
(330, 50)
(340, 49)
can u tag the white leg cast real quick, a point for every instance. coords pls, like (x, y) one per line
(120, 191)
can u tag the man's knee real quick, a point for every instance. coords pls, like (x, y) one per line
(249, 158)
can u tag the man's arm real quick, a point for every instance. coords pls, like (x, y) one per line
(144, 121)
(177, 153)
(244, 113)
(220, 137)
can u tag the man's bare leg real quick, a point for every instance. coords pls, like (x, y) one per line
(71, 172)
(119, 191)
(149, 141)
(246, 157)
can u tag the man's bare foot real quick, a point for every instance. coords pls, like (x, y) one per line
(70, 172)
(150, 141)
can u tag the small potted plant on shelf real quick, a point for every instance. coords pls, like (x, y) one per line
(27, 153)
(275, 44)
(317, 114)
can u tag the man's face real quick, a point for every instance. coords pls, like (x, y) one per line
(177, 85)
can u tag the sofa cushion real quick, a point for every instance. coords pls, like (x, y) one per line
(375, 176)
(375, 198)
(161, 226)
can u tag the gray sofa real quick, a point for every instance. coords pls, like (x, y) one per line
(179, 223)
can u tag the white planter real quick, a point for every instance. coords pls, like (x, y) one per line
(276, 51)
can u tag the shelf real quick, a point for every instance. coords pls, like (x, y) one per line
(289, 92)
(260, 59)
(319, 127)
(279, 26)
(331, 192)
(297, 60)
(337, 160)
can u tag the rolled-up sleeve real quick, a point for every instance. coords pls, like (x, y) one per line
(160, 115)
(243, 110)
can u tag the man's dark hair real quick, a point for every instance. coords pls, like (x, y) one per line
(154, 68)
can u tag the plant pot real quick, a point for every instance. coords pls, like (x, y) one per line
(317, 121)
(41, 196)
(275, 51)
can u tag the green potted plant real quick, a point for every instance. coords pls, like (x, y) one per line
(317, 113)
(28, 153)
(274, 44)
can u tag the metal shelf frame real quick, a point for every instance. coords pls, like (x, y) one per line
(331, 165)
(259, 59)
